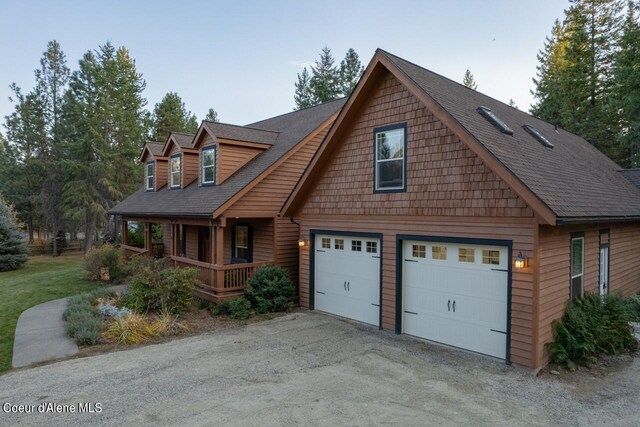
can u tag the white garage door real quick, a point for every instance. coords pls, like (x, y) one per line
(347, 277)
(456, 294)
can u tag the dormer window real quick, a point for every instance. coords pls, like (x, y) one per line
(149, 175)
(175, 170)
(209, 165)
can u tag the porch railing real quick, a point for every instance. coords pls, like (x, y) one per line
(220, 279)
(131, 251)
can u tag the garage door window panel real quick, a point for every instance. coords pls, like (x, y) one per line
(372, 247)
(467, 255)
(356, 246)
(419, 251)
(439, 253)
(490, 257)
(338, 244)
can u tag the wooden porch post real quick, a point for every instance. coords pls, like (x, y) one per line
(218, 255)
(148, 238)
(124, 232)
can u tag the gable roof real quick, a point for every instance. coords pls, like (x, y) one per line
(241, 133)
(182, 140)
(571, 181)
(153, 147)
(632, 175)
(203, 201)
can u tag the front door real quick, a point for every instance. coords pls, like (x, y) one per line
(604, 270)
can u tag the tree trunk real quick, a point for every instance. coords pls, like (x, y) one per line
(89, 232)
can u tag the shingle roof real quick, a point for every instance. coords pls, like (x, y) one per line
(184, 140)
(241, 133)
(632, 175)
(573, 179)
(155, 148)
(203, 201)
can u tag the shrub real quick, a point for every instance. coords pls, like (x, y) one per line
(169, 290)
(270, 289)
(13, 246)
(139, 263)
(239, 308)
(110, 310)
(632, 306)
(221, 309)
(591, 326)
(85, 327)
(104, 256)
(73, 309)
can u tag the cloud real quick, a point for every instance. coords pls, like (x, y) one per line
(300, 64)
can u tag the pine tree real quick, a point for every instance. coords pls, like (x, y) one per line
(303, 96)
(512, 104)
(351, 70)
(469, 81)
(626, 87)
(104, 130)
(13, 247)
(212, 115)
(171, 115)
(325, 79)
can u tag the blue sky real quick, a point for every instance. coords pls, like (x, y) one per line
(242, 57)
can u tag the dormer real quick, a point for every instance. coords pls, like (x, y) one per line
(182, 168)
(155, 166)
(225, 148)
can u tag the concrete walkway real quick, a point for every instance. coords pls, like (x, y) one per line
(41, 335)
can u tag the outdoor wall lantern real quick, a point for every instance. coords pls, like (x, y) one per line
(302, 243)
(521, 262)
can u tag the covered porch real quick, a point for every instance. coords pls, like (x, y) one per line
(226, 252)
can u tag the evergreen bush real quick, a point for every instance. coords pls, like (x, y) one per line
(13, 246)
(104, 256)
(270, 289)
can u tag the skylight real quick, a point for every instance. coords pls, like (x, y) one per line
(537, 135)
(494, 120)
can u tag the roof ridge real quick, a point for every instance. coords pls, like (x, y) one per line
(242, 126)
(183, 133)
(302, 109)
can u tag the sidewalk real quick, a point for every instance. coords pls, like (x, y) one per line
(41, 336)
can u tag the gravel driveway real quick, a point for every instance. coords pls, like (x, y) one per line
(309, 368)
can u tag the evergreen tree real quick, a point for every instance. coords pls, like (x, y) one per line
(13, 247)
(104, 129)
(512, 104)
(351, 70)
(469, 81)
(303, 96)
(325, 80)
(171, 115)
(212, 115)
(626, 87)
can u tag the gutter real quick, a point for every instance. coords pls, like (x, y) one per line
(161, 214)
(596, 220)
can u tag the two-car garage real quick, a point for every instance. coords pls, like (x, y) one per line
(451, 291)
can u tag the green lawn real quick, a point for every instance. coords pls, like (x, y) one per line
(40, 280)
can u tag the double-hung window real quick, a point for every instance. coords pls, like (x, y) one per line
(390, 158)
(209, 165)
(150, 172)
(175, 170)
(577, 265)
(242, 243)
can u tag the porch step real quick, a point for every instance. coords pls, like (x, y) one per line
(209, 295)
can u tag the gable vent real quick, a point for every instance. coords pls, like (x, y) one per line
(537, 135)
(494, 120)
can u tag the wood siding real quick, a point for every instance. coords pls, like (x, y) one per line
(268, 196)
(161, 174)
(262, 230)
(555, 250)
(231, 158)
(444, 177)
(520, 232)
(166, 238)
(286, 253)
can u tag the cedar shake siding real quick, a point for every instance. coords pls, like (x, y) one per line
(231, 158)
(554, 253)
(161, 173)
(450, 192)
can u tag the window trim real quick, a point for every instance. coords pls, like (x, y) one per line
(576, 236)
(175, 156)
(214, 166)
(402, 189)
(146, 175)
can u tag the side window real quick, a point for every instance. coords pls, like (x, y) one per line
(356, 245)
(390, 158)
(150, 174)
(175, 171)
(209, 165)
(326, 243)
(338, 244)
(577, 267)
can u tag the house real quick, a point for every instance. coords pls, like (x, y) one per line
(438, 212)
(211, 200)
